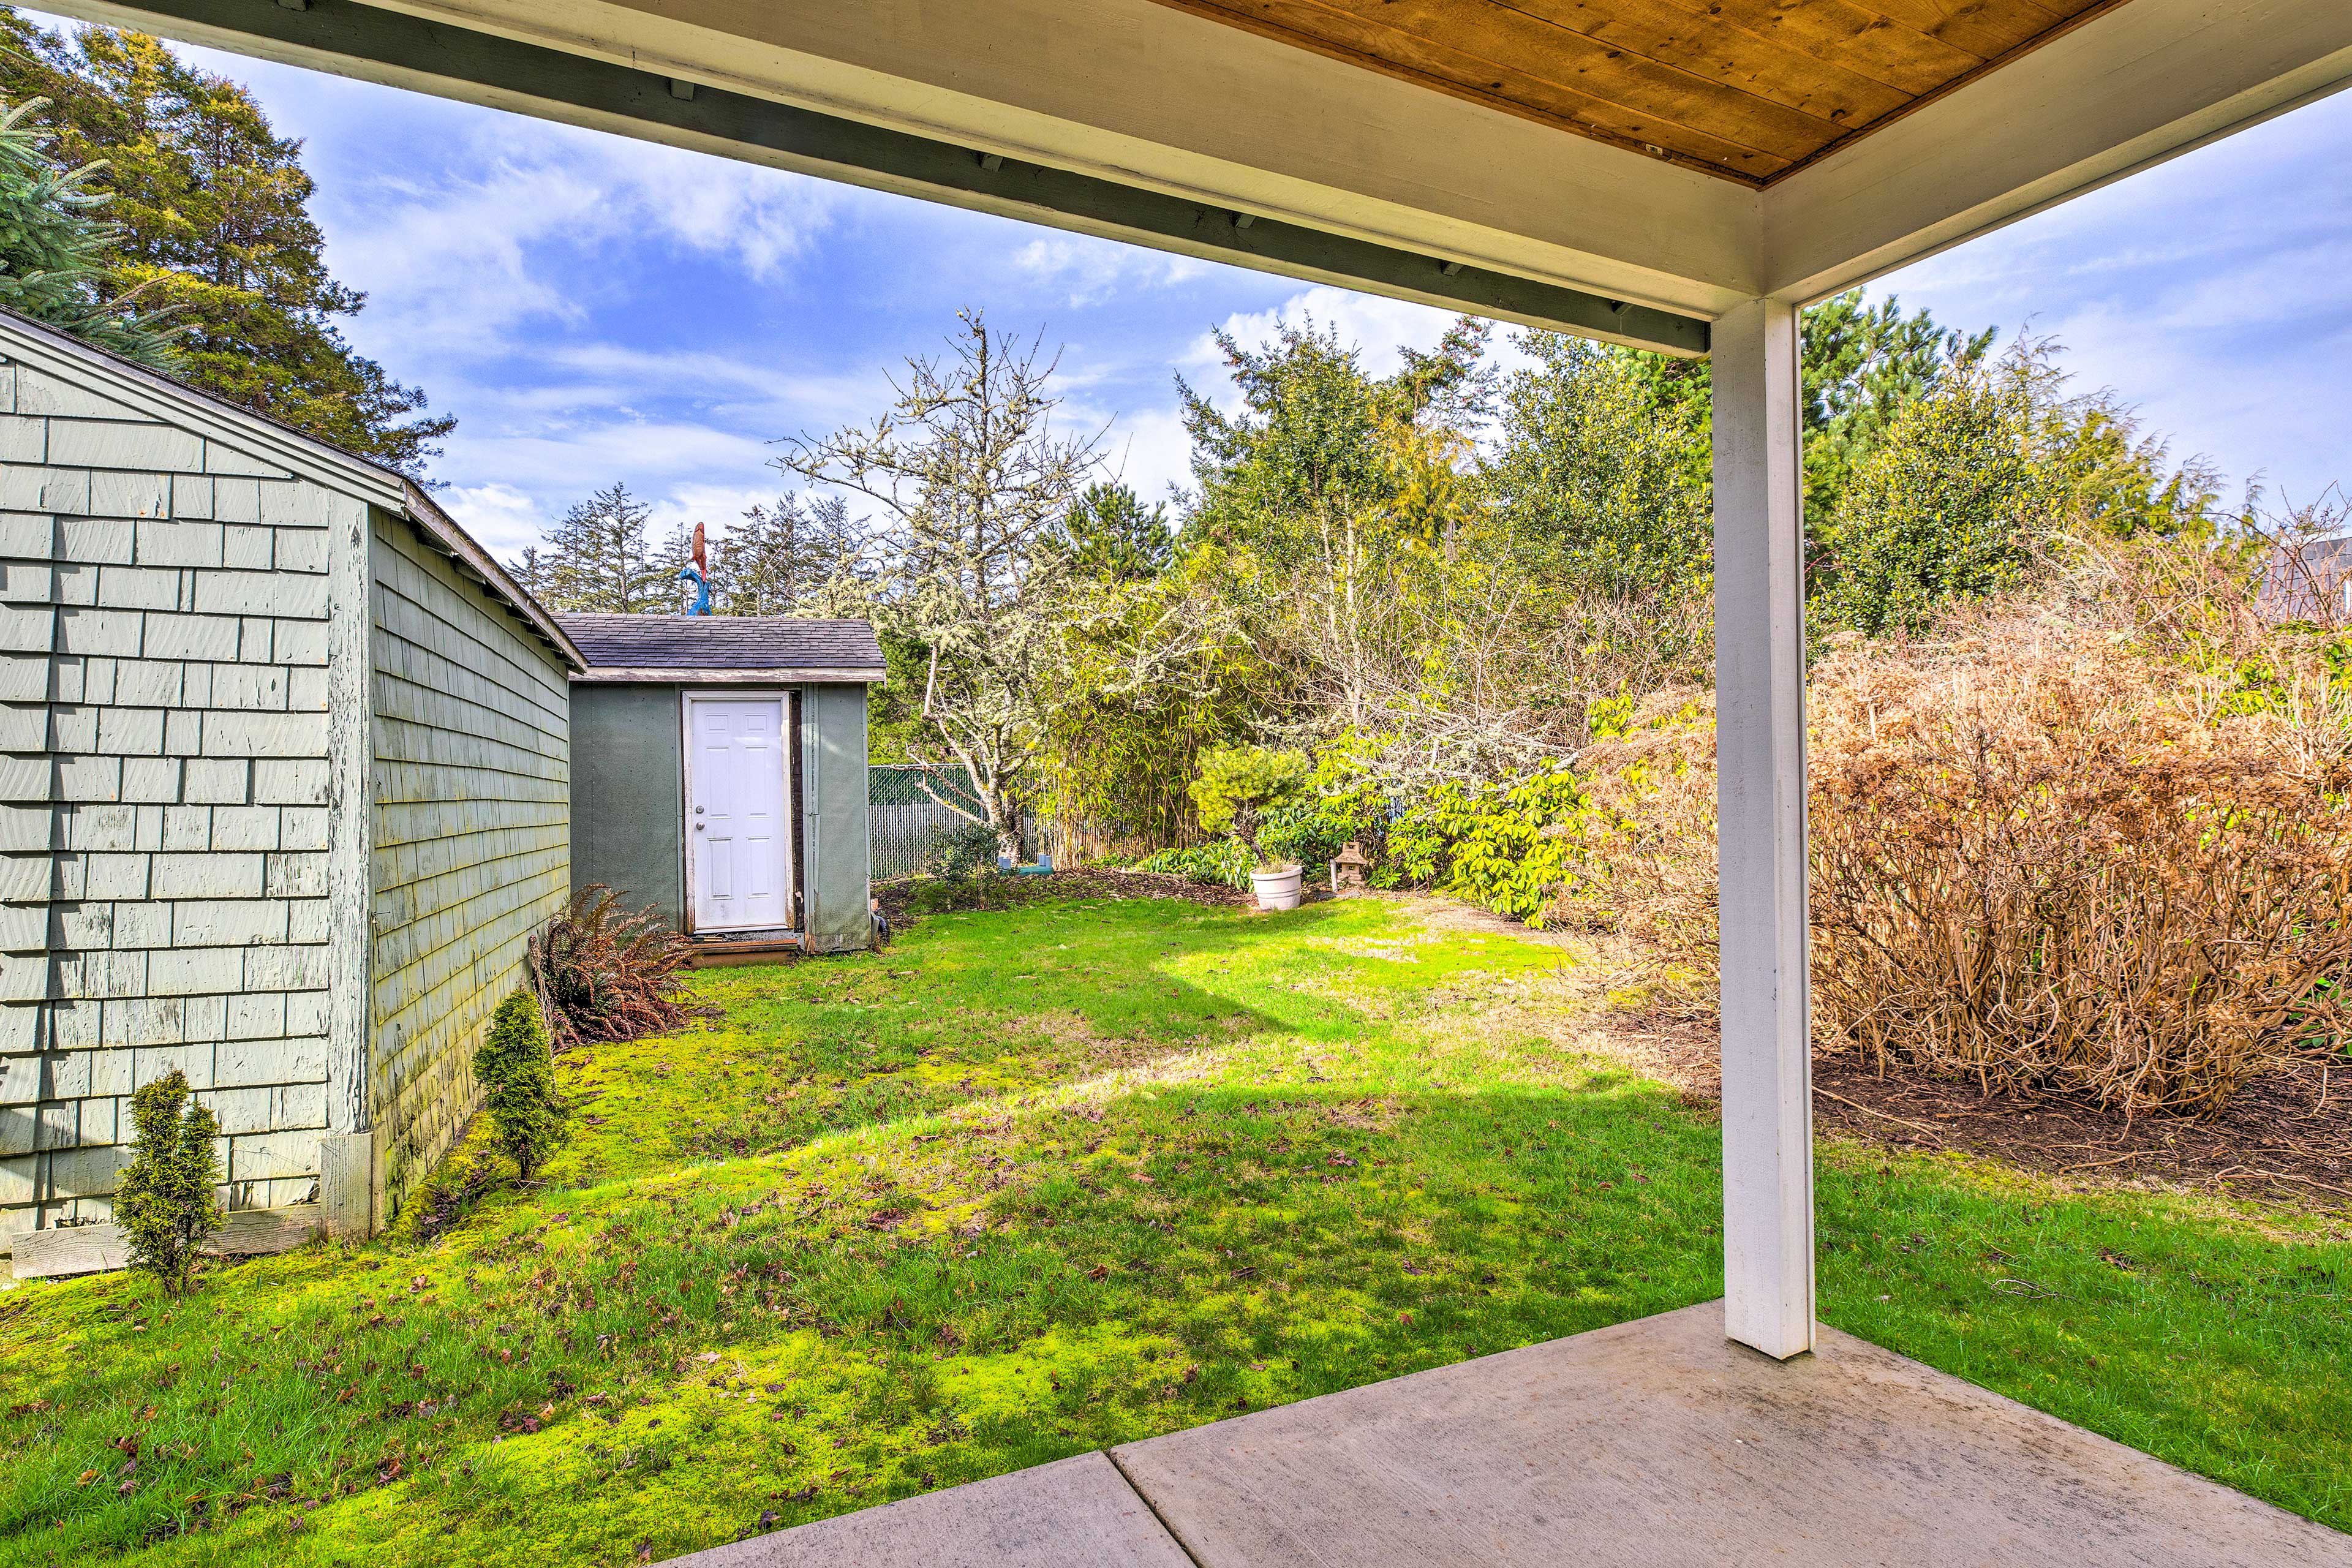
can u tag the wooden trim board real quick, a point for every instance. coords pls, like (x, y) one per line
(97, 1248)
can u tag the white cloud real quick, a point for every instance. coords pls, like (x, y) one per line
(1092, 269)
(717, 505)
(455, 260)
(1149, 452)
(500, 517)
(1381, 327)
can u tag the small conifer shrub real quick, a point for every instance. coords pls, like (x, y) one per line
(517, 1073)
(164, 1203)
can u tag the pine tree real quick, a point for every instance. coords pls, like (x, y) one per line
(517, 1073)
(801, 556)
(54, 248)
(1113, 536)
(529, 569)
(598, 558)
(214, 210)
(164, 1204)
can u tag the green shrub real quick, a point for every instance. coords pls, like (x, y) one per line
(1222, 860)
(164, 1202)
(960, 872)
(1313, 834)
(961, 854)
(1238, 787)
(517, 1073)
(1507, 847)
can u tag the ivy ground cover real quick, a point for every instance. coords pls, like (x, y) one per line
(1040, 1180)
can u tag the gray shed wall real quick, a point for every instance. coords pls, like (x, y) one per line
(165, 730)
(628, 788)
(837, 886)
(628, 775)
(472, 840)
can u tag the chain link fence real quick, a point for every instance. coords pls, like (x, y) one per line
(905, 806)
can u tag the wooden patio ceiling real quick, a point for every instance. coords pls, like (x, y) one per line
(1748, 89)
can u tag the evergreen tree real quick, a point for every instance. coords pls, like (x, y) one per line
(1319, 489)
(1952, 504)
(1596, 489)
(1313, 445)
(164, 1202)
(801, 556)
(598, 558)
(516, 1070)
(1861, 365)
(529, 569)
(54, 250)
(214, 210)
(1112, 537)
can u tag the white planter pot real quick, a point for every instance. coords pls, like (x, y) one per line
(1276, 889)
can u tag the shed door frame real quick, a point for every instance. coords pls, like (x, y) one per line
(787, 808)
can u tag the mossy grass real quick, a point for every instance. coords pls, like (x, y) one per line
(1038, 1180)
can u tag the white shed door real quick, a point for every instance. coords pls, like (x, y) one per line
(737, 823)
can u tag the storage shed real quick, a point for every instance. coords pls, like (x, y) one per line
(719, 774)
(286, 761)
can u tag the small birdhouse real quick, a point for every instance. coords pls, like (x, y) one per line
(1348, 870)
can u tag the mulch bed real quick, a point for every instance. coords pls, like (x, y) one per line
(897, 897)
(2286, 1135)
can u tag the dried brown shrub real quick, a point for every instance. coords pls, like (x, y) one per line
(2032, 865)
(601, 973)
(2091, 842)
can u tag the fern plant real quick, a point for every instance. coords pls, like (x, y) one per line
(602, 974)
(164, 1202)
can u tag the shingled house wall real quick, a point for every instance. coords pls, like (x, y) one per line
(187, 675)
(472, 836)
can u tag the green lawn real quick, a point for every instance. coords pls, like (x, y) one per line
(1046, 1179)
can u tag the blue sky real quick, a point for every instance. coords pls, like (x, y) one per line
(596, 308)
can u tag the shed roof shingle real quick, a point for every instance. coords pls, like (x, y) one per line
(846, 648)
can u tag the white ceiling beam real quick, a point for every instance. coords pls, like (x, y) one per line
(645, 99)
(1139, 93)
(2144, 82)
(1287, 145)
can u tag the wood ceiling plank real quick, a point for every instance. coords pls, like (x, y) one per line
(1477, 44)
(1395, 52)
(1988, 28)
(1504, 35)
(1683, 35)
(1857, 36)
(1746, 89)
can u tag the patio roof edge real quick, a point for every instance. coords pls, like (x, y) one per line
(438, 57)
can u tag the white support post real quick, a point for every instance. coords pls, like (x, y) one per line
(1759, 661)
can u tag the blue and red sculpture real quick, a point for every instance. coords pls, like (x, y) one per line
(698, 575)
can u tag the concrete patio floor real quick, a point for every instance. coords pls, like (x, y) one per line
(1654, 1443)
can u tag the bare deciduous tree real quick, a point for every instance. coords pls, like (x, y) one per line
(972, 480)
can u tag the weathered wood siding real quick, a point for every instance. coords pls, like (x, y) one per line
(838, 860)
(627, 824)
(471, 836)
(164, 794)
